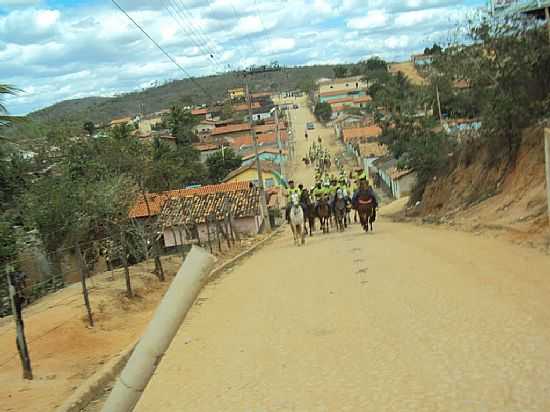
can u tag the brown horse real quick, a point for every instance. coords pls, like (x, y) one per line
(323, 211)
(309, 212)
(365, 209)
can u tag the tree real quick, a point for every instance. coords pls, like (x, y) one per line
(5, 119)
(90, 128)
(307, 85)
(227, 112)
(323, 111)
(375, 64)
(505, 63)
(221, 163)
(435, 49)
(180, 121)
(340, 71)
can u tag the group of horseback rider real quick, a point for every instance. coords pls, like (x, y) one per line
(331, 189)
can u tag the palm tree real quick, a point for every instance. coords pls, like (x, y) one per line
(6, 119)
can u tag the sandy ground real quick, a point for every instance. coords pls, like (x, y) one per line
(410, 71)
(64, 351)
(407, 319)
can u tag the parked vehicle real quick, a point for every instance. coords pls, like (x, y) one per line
(310, 126)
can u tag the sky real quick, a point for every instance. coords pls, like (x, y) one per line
(65, 49)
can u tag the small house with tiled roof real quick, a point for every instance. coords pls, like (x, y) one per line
(248, 172)
(184, 218)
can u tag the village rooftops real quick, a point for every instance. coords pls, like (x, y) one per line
(358, 133)
(338, 92)
(231, 128)
(265, 138)
(242, 202)
(120, 121)
(264, 150)
(243, 107)
(205, 147)
(156, 201)
(200, 112)
(266, 167)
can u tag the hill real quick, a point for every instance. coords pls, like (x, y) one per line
(101, 109)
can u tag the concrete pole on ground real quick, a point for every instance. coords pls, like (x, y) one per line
(169, 315)
(547, 157)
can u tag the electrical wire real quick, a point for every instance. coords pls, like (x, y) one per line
(162, 50)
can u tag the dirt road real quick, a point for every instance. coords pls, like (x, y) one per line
(407, 319)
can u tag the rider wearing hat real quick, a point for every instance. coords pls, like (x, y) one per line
(290, 191)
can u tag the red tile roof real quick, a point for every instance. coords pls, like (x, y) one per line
(360, 132)
(231, 128)
(261, 138)
(203, 147)
(244, 202)
(157, 200)
(244, 107)
(263, 150)
(199, 112)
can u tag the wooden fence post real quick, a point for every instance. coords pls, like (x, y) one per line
(83, 274)
(20, 339)
(124, 257)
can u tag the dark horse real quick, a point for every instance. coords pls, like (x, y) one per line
(340, 211)
(323, 211)
(365, 209)
(309, 212)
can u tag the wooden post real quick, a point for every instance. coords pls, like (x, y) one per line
(438, 104)
(124, 258)
(263, 202)
(547, 158)
(83, 273)
(158, 262)
(208, 233)
(20, 339)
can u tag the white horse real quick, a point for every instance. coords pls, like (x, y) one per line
(297, 220)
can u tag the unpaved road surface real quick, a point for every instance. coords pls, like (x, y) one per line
(410, 318)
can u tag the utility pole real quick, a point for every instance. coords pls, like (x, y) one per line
(263, 203)
(279, 145)
(547, 158)
(20, 340)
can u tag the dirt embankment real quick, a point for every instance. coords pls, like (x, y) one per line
(509, 200)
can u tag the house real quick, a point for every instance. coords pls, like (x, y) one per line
(206, 150)
(237, 93)
(152, 204)
(200, 112)
(148, 123)
(230, 131)
(244, 107)
(539, 9)
(266, 154)
(402, 182)
(262, 113)
(422, 59)
(343, 86)
(247, 173)
(366, 134)
(184, 218)
(120, 121)
(242, 143)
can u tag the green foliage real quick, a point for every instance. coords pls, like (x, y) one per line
(227, 112)
(506, 64)
(323, 111)
(181, 122)
(435, 49)
(375, 64)
(340, 71)
(221, 163)
(307, 85)
(90, 128)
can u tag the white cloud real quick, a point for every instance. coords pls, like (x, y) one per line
(373, 20)
(93, 49)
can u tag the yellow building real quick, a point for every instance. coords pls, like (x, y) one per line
(271, 177)
(236, 94)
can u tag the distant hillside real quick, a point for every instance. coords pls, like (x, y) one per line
(101, 109)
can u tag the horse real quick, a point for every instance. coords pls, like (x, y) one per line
(323, 211)
(340, 210)
(365, 209)
(309, 212)
(297, 220)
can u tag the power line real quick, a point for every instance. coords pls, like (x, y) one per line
(162, 50)
(196, 30)
(195, 39)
